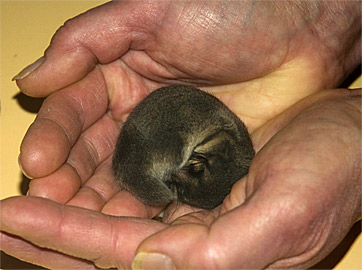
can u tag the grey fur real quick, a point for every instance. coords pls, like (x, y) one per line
(183, 144)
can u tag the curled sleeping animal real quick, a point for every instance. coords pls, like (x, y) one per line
(182, 144)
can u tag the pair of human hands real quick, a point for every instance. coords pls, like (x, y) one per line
(268, 62)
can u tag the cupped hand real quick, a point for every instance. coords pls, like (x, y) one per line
(300, 198)
(102, 63)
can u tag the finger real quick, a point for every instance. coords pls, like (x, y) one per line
(176, 210)
(266, 228)
(100, 35)
(105, 240)
(98, 190)
(241, 240)
(101, 191)
(59, 186)
(91, 156)
(124, 204)
(28, 252)
(59, 123)
(94, 146)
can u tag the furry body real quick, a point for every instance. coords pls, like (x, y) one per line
(183, 144)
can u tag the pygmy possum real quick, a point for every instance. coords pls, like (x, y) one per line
(183, 144)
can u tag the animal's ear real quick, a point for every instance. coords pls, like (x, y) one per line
(216, 144)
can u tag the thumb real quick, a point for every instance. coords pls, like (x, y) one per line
(232, 241)
(100, 35)
(181, 246)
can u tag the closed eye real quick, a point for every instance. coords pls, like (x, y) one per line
(197, 164)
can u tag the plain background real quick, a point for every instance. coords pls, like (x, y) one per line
(26, 30)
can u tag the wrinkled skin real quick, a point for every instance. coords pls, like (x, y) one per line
(267, 61)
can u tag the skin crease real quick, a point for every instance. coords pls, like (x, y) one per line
(280, 215)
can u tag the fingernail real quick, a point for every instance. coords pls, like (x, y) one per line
(145, 260)
(21, 168)
(29, 69)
